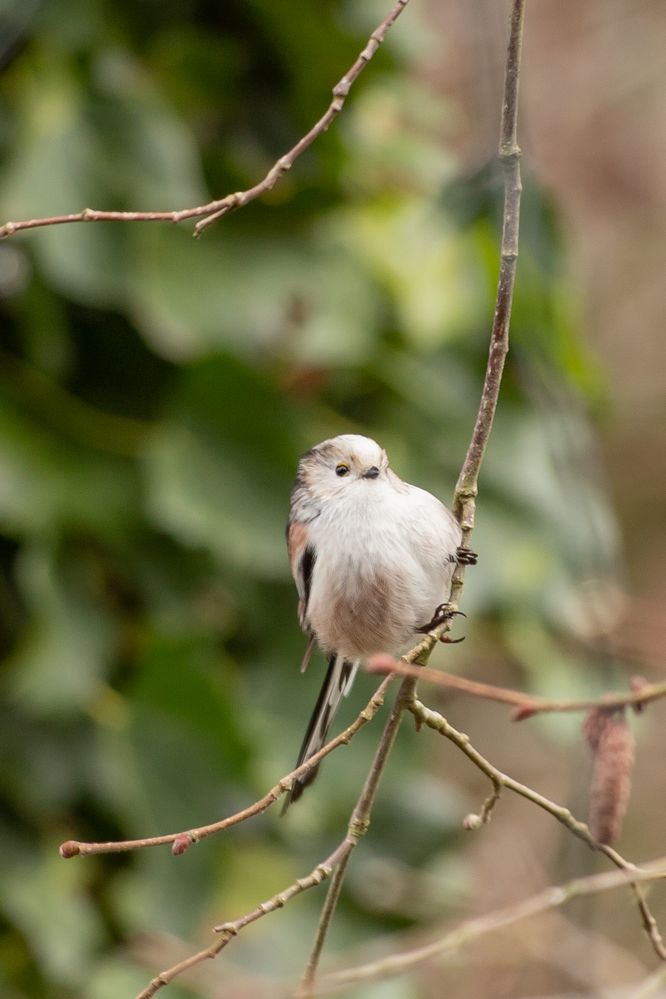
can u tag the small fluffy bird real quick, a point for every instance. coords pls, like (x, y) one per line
(372, 558)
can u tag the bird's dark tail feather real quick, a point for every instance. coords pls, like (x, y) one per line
(337, 684)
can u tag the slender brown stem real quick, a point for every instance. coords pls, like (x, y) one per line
(306, 989)
(464, 503)
(229, 930)
(358, 826)
(182, 840)
(499, 780)
(215, 210)
(335, 864)
(526, 704)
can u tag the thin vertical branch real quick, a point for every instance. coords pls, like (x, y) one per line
(464, 504)
(358, 826)
(306, 990)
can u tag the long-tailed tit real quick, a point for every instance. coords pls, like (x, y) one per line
(372, 558)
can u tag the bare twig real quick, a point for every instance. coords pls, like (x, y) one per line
(473, 929)
(335, 864)
(526, 704)
(499, 780)
(182, 840)
(228, 931)
(464, 505)
(358, 825)
(215, 210)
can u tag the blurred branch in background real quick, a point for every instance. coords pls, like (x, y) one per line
(473, 929)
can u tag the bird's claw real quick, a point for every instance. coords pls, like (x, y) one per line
(442, 614)
(465, 556)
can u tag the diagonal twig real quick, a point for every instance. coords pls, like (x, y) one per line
(215, 210)
(182, 840)
(334, 865)
(526, 705)
(229, 930)
(500, 781)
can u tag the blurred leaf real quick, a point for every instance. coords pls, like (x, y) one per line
(146, 152)
(49, 901)
(216, 472)
(59, 663)
(248, 294)
(111, 979)
(425, 269)
(48, 483)
(186, 679)
(120, 148)
(55, 169)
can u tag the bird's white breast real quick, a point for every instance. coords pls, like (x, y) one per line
(382, 566)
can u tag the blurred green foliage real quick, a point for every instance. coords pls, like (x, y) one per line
(156, 392)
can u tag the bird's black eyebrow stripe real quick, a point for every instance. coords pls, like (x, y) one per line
(307, 565)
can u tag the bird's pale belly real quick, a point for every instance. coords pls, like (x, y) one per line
(369, 615)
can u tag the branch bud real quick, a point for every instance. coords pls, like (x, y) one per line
(69, 849)
(181, 844)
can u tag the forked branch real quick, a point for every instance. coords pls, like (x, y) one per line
(501, 781)
(334, 865)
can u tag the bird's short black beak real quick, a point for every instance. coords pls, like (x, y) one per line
(372, 473)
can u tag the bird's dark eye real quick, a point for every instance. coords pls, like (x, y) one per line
(341, 469)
